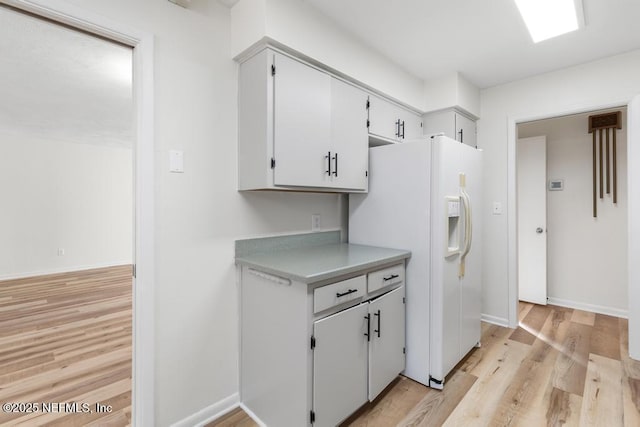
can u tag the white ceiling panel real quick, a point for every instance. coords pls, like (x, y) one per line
(486, 41)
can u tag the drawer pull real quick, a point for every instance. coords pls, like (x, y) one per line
(350, 291)
(393, 276)
(379, 315)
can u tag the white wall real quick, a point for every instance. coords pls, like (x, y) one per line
(586, 256)
(199, 214)
(59, 194)
(607, 82)
(452, 90)
(299, 26)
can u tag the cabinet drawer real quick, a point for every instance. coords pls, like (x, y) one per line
(386, 277)
(338, 293)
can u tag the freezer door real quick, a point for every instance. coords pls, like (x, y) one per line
(445, 284)
(471, 283)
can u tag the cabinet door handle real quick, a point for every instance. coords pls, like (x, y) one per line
(368, 334)
(350, 291)
(461, 135)
(328, 157)
(403, 129)
(379, 315)
(335, 170)
(393, 276)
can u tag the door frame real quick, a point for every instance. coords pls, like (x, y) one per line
(143, 283)
(512, 220)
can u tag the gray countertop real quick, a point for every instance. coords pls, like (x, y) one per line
(317, 263)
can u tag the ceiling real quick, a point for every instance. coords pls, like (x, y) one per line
(486, 41)
(63, 84)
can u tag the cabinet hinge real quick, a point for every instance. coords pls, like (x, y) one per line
(420, 124)
(273, 70)
(134, 271)
(368, 104)
(404, 300)
(368, 124)
(404, 350)
(312, 417)
(313, 342)
(366, 173)
(273, 163)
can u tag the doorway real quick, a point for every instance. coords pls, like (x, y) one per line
(67, 126)
(584, 252)
(71, 16)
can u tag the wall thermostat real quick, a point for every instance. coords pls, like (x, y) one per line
(556, 184)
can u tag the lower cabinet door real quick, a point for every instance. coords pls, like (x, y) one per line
(340, 365)
(386, 349)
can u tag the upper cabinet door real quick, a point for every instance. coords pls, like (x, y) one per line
(384, 118)
(349, 140)
(465, 130)
(411, 126)
(302, 124)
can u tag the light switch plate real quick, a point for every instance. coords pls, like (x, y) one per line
(176, 161)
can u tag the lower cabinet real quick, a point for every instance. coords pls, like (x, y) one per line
(386, 348)
(339, 365)
(354, 339)
(357, 353)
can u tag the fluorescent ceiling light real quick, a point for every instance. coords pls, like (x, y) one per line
(550, 18)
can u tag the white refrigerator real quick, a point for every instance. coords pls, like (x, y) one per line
(424, 196)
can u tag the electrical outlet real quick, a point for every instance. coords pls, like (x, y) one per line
(60, 251)
(497, 208)
(315, 222)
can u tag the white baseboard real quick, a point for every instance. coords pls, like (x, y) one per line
(210, 413)
(495, 320)
(63, 270)
(253, 416)
(600, 309)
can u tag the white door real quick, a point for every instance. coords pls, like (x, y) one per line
(531, 166)
(386, 348)
(349, 140)
(340, 365)
(302, 123)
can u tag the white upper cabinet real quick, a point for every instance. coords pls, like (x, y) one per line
(299, 128)
(302, 124)
(349, 140)
(411, 126)
(453, 124)
(390, 122)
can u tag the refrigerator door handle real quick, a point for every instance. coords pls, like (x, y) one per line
(468, 231)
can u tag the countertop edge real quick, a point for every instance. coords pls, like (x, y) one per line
(328, 274)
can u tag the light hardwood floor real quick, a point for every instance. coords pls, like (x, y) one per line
(560, 367)
(66, 338)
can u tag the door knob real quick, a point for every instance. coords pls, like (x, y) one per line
(539, 230)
